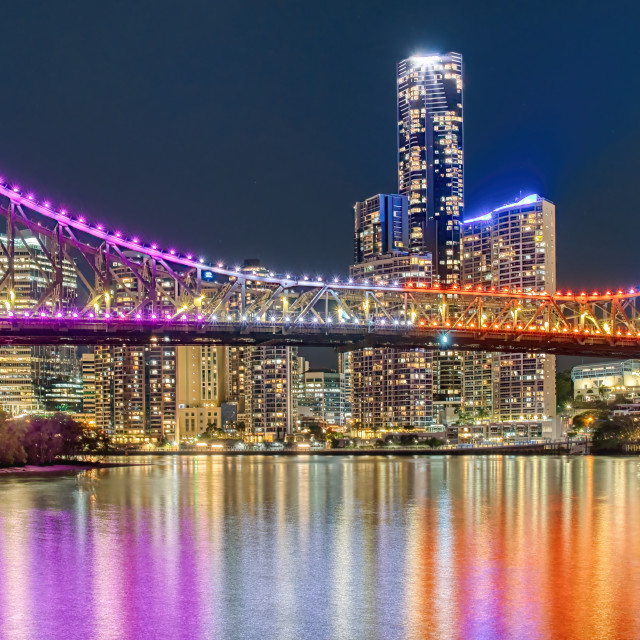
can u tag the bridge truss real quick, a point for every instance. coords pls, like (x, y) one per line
(134, 292)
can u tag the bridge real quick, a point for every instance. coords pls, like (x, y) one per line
(134, 292)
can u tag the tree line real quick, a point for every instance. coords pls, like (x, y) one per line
(40, 440)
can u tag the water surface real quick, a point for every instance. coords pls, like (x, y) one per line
(324, 547)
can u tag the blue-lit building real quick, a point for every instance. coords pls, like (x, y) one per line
(512, 246)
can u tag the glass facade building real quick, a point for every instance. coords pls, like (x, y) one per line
(380, 226)
(430, 157)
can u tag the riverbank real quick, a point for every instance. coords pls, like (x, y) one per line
(520, 449)
(68, 467)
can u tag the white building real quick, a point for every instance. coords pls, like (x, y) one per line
(512, 246)
(606, 380)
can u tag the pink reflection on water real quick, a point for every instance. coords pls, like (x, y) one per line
(217, 547)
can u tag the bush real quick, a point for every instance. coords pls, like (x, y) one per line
(38, 439)
(612, 434)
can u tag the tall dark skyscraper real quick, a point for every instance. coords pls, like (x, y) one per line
(430, 157)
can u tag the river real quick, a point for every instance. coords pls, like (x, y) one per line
(324, 547)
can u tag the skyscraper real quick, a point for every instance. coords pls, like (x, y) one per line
(135, 399)
(512, 246)
(430, 174)
(430, 157)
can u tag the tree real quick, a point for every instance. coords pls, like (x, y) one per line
(11, 450)
(584, 420)
(564, 390)
(44, 439)
(603, 392)
(611, 434)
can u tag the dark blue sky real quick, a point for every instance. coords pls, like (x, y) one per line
(248, 129)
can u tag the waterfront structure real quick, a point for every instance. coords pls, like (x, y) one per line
(430, 157)
(321, 394)
(38, 378)
(512, 248)
(200, 386)
(381, 226)
(474, 433)
(606, 380)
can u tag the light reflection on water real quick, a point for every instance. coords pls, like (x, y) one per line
(317, 547)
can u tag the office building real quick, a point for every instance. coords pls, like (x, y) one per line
(430, 157)
(512, 246)
(321, 394)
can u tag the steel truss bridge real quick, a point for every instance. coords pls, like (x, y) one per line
(133, 292)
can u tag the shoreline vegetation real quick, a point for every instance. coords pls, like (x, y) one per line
(63, 467)
(37, 444)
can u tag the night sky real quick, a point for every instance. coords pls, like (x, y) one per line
(249, 129)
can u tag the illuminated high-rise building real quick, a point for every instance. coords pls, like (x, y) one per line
(88, 384)
(42, 378)
(270, 401)
(430, 174)
(261, 380)
(380, 226)
(512, 246)
(321, 396)
(430, 157)
(135, 397)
